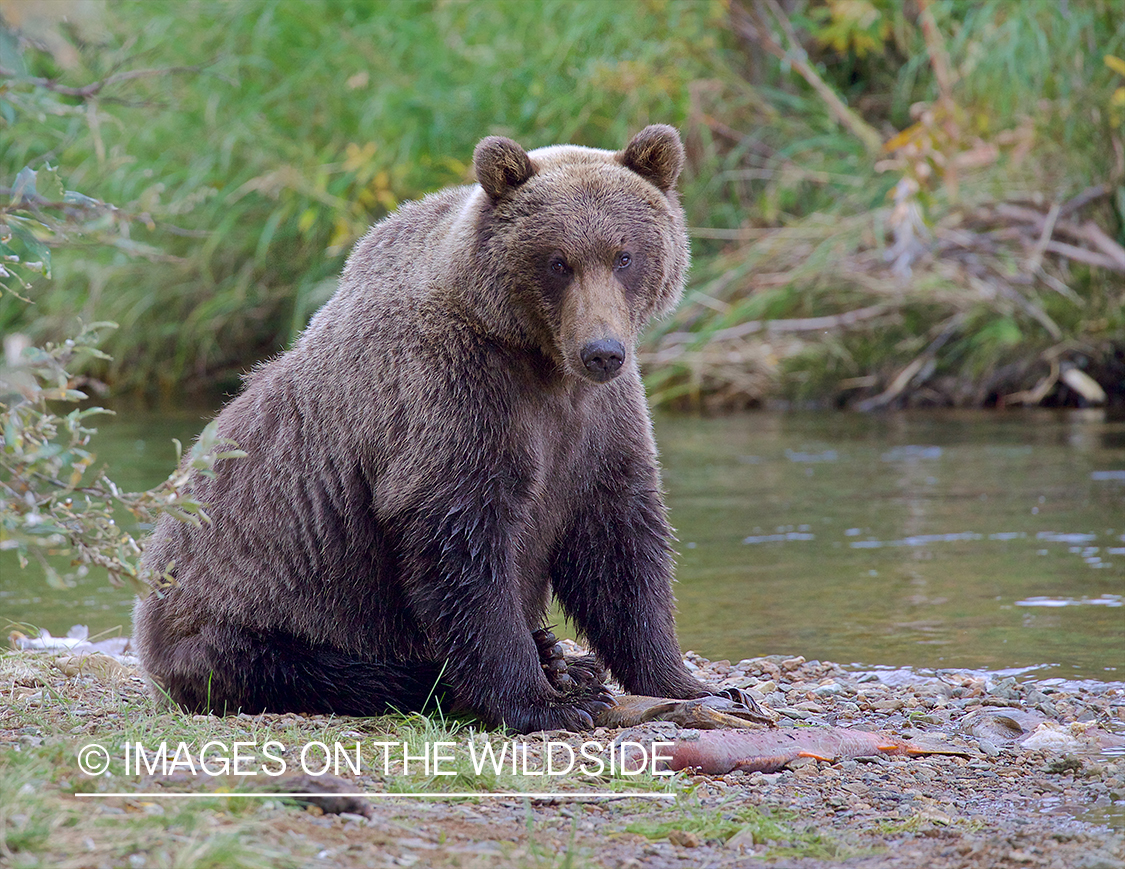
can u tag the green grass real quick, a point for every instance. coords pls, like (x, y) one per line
(41, 824)
(304, 123)
(780, 832)
(283, 130)
(49, 717)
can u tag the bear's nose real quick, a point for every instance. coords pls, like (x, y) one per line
(603, 358)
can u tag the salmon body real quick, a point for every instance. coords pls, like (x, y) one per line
(716, 752)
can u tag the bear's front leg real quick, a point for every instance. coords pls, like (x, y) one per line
(459, 576)
(613, 575)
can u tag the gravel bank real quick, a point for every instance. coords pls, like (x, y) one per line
(1043, 784)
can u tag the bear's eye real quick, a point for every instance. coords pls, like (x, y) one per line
(623, 261)
(559, 267)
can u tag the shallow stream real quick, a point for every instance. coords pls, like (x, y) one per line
(970, 540)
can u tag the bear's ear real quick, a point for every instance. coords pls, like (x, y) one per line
(501, 165)
(655, 153)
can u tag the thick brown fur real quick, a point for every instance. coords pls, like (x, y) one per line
(460, 432)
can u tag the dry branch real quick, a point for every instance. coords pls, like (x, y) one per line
(805, 324)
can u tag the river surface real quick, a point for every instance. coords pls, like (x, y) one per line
(969, 540)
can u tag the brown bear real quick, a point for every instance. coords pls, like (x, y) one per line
(460, 432)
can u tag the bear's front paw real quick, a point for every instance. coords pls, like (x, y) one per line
(577, 711)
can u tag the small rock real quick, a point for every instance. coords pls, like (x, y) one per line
(803, 765)
(742, 841)
(1049, 737)
(96, 664)
(1099, 861)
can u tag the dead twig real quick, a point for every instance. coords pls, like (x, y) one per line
(1080, 254)
(1083, 199)
(1024, 220)
(1038, 392)
(805, 324)
(1036, 257)
(1108, 246)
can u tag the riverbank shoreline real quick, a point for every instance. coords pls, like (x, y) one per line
(1042, 783)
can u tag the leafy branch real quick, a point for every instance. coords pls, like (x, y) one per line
(53, 502)
(94, 88)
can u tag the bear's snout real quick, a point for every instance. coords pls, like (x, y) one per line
(603, 358)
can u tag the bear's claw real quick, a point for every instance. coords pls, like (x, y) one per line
(568, 675)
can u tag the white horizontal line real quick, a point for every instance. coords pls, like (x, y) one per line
(388, 795)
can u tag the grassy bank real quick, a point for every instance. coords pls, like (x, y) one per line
(890, 203)
(53, 814)
(948, 233)
(1055, 804)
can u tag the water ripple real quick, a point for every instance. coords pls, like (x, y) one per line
(911, 453)
(1044, 600)
(797, 456)
(1057, 537)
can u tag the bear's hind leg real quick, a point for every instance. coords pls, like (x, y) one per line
(226, 670)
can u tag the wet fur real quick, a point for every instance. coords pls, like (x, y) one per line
(428, 464)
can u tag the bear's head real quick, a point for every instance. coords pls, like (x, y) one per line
(585, 245)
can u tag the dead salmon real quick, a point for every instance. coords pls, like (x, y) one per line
(716, 752)
(704, 713)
